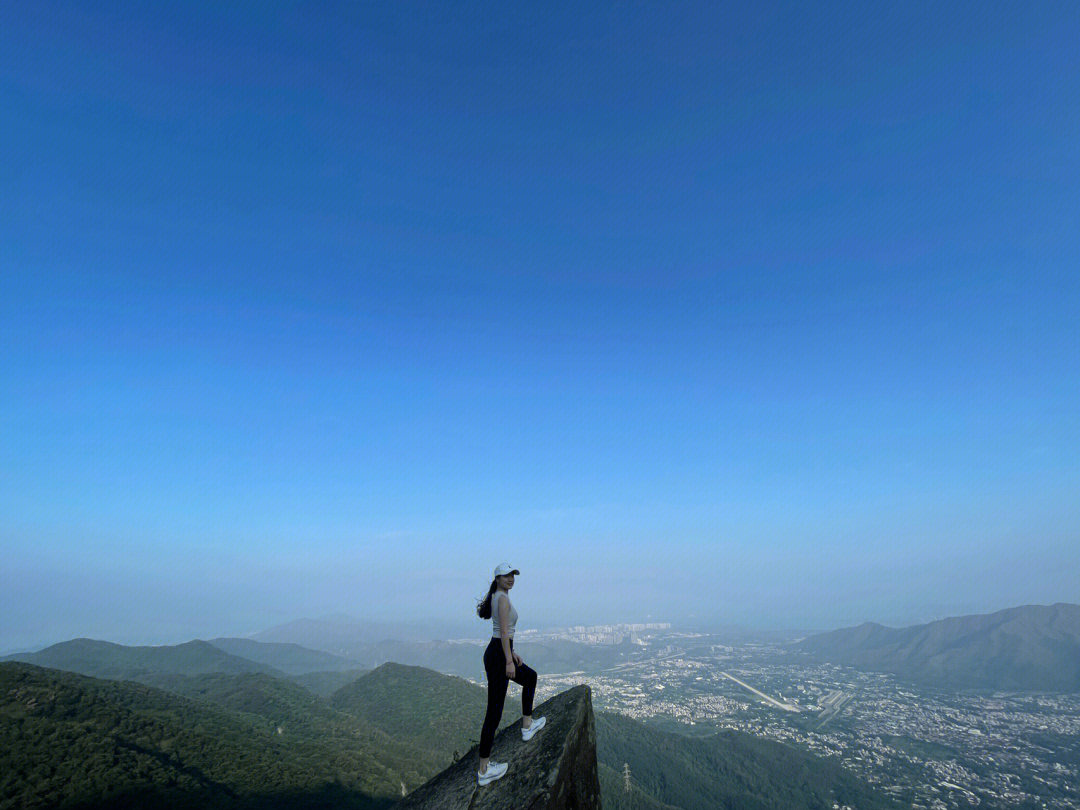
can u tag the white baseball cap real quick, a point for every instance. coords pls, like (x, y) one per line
(504, 569)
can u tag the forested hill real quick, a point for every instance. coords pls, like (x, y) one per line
(103, 659)
(441, 713)
(730, 769)
(67, 740)
(1031, 648)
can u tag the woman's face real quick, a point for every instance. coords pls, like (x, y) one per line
(506, 582)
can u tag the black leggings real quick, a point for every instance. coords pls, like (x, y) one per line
(495, 666)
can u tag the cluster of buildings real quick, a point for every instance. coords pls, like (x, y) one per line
(938, 750)
(597, 634)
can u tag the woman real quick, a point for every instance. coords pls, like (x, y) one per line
(503, 665)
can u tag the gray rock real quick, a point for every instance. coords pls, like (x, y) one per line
(555, 770)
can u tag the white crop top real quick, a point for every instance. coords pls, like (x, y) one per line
(495, 629)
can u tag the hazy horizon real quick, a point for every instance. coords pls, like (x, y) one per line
(442, 629)
(765, 315)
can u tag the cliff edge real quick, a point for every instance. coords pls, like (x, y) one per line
(555, 770)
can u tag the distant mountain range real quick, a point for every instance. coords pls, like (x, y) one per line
(316, 671)
(370, 644)
(342, 635)
(103, 659)
(466, 658)
(292, 659)
(1030, 648)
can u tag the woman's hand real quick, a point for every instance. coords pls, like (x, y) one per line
(510, 670)
(517, 659)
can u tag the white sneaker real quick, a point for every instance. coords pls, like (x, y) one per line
(537, 724)
(494, 771)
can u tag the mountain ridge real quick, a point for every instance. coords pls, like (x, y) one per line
(104, 659)
(287, 657)
(1025, 648)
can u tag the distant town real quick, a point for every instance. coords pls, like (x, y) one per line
(598, 634)
(935, 749)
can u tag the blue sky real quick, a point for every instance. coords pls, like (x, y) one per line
(763, 315)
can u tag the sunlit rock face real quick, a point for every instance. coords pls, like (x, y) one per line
(555, 770)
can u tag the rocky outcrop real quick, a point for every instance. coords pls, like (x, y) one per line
(555, 770)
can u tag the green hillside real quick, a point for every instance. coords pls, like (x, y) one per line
(67, 741)
(436, 713)
(294, 714)
(292, 659)
(103, 659)
(726, 770)
(615, 796)
(324, 684)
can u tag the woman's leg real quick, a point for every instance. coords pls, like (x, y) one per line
(526, 677)
(497, 684)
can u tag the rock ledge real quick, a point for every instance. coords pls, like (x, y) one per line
(555, 770)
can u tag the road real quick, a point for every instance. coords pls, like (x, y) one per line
(787, 707)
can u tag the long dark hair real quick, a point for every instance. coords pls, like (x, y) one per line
(483, 607)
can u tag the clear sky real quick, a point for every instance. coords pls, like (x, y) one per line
(765, 315)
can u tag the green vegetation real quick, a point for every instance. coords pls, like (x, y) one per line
(726, 770)
(67, 740)
(1063, 747)
(324, 684)
(287, 710)
(615, 796)
(924, 749)
(281, 703)
(439, 714)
